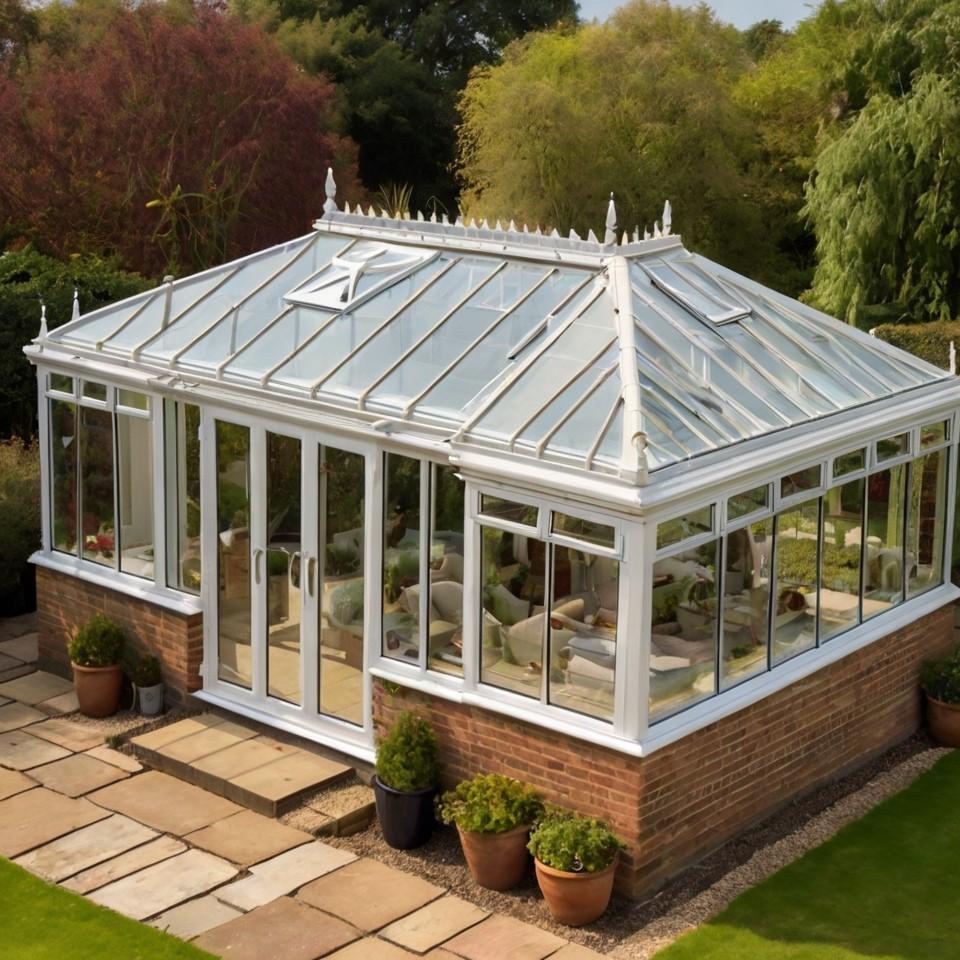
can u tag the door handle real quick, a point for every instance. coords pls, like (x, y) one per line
(293, 557)
(257, 554)
(311, 572)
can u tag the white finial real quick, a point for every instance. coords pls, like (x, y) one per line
(76, 305)
(573, 234)
(667, 218)
(512, 227)
(656, 230)
(646, 233)
(556, 233)
(433, 216)
(610, 234)
(499, 227)
(43, 321)
(330, 204)
(420, 218)
(953, 358)
(592, 237)
(625, 239)
(636, 234)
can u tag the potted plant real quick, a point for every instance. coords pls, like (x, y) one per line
(940, 680)
(405, 783)
(493, 815)
(575, 859)
(148, 684)
(95, 654)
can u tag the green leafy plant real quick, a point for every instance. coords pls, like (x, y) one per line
(100, 642)
(407, 755)
(146, 671)
(940, 678)
(567, 841)
(341, 560)
(19, 519)
(490, 803)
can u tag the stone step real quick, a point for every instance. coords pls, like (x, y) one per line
(234, 761)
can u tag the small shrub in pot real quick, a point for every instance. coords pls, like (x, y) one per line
(940, 680)
(95, 653)
(148, 682)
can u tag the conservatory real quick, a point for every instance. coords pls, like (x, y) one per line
(603, 507)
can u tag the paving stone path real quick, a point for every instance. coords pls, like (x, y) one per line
(200, 866)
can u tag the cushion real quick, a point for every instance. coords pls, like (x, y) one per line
(691, 650)
(450, 568)
(507, 608)
(410, 601)
(582, 669)
(446, 597)
(596, 649)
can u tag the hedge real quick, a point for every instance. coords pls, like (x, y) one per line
(929, 341)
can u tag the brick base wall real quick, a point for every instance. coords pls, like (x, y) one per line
(686, 799)
(64, 603)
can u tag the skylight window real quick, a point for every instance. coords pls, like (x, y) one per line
(680, 283)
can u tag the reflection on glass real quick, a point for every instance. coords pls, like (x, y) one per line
(446, 570)
(401, 558)
(96, 486)
(283, 567)
(233, 553)
(135, 481)
(181, 437)
(933, 434)
(510, 510)
(849, 463)
(925, 522)
(683, 528)
(63, 475)
(841, 545)
(601, 534)
(132, 400)
(683, 641)
(795, 556)
(893, 447)
(342, 542)
(94, 391)
(61, 383)
(513, 625)
(743, 504)
(800, 482)
(883, 577)
(746, 599)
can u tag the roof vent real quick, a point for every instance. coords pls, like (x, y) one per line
(685, 284)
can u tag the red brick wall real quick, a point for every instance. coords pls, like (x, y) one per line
(64, 603)
(686, 799)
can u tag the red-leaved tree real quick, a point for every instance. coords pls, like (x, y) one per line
(173, 141)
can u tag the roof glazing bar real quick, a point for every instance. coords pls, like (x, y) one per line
(532, 335)
(592, 388)
(221, 366)
(688, 417)
(650, 414)
(98, 345)
(598, 442)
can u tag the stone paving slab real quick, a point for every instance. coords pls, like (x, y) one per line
(369, 894)
(164, 885)
(283, 874)
(25, 648)
(504, 938)
(284, 929)
(77, 775)
(242, 758)
(438, 953)
(573, 951)
(202, 744)
(122, 866)
(194, 917)
(14, 672)
(162, 736)
(12, 782)
(115, 758)
(21, 751)
(34, 687)
(85, 848)
(15, 715)
(371, 948)
(4, 701)
(247, 838)
(69, 734)
(165, 803)
(283, 781)
(65, 703)
(35, 817)
(7, 662)
(434, 924)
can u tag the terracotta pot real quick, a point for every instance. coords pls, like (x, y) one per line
(497, 861)
(576, 898)
(944, 721)
(98, 689)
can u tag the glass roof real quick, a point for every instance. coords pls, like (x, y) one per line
(508, 340)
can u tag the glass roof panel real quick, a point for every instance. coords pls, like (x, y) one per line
(609, 448)
(690, 295)
(577, 434)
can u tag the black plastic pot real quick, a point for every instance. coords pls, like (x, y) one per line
(406, 819)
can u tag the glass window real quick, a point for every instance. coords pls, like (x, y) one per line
(233, 554)
(683, 642)
(750, 501)
(61, 383)
(133, 400)
(401, 558)
(135, 488)
(446, 570)
(893, 447)
(521, 513)
(852, 462)
(795, 557)
(181, 433)
(933, 434)
(683, 528)
(925, 522)
(589, 531)
(800, 482)
(746, 600)
(63, 475)
(94, 391)
(841, 546)
(96, 486)
(883, 577)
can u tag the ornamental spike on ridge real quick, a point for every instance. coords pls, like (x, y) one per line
(610, 234)
(330, 204)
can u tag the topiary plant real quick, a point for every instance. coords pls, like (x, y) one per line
(146, 671)
(490, 803)
(940, 678)
(98, 643)
(407, 755)
(566, 841)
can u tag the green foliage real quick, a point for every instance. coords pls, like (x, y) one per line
(567, 841)
(19, 517)
(929, 341)
(407, 755)
(797, 563)
(940, 678)
(100, 642)
(146, 671)
(490, 803)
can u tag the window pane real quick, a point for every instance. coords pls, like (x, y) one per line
(683, 528)
(795, 553)
(743, 504)
(508, 510)
(883, 578)
(601, 534)
(63, 479)
(401, 558)
(746, 600)
(233, 553)
(849, 463)
(841, 545)
(342, 534)
(683, 642)
(181, 431)
(932, 434)
(513, 626)
(61, 383)
(96, 485)
(446, 571)
(133, 400)
(283, 566)
(801, 481)
(583, 632)
(925, 526)
(94, 391)
(135, 478)
(893, 447)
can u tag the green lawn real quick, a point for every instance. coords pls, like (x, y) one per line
(39, 921)
(886, 887)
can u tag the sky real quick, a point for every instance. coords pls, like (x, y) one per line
(741, 13)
